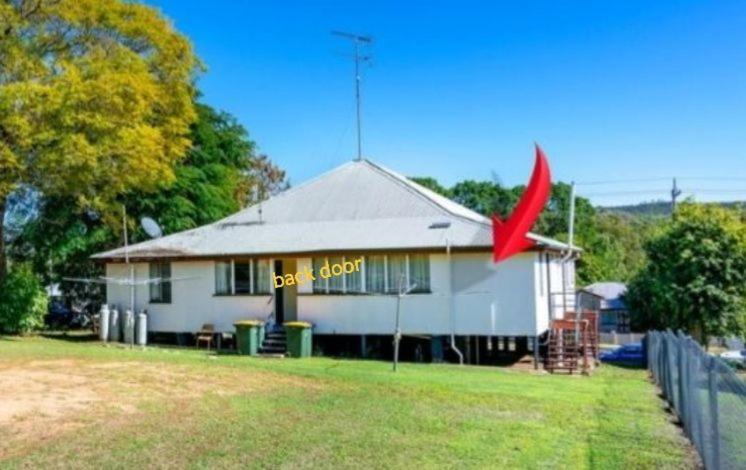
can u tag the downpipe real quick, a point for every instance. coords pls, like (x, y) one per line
(451, 305)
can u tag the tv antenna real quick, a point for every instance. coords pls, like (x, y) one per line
(357, 41)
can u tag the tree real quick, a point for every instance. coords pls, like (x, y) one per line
(614, 249)
(612, 244)
(485, 197)
(695, 275)
(95, 100)
(220, 174)
(23, 303)
(432, 184)
(217, 177)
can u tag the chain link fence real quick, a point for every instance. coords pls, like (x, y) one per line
(706, 394)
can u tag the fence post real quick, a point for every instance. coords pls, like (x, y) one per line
(683, 411)
(712, 380)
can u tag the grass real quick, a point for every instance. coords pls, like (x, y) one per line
(184, 408)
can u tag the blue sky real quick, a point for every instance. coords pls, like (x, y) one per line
(611, 90)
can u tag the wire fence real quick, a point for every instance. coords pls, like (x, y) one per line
(706, 394)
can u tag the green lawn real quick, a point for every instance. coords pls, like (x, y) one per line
(96, 406)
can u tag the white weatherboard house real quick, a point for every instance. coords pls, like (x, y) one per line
(401, 229)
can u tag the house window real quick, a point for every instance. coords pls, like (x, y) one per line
(160, 292)
(419, 272)
(260, 276)
(378, 274)
(223, 278)
(319, 283)
(354, 280)
(375, 274)
(242, 277)
(396, 273)
(336, 283)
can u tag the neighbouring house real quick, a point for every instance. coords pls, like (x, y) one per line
(223, 272)
(614, 312)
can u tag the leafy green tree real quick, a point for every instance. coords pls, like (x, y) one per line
(217, 177)
(615, 251)
(612, 243)
(695, 275)
(96, 98)
(431, 184)
(24, 301)
(485, 197)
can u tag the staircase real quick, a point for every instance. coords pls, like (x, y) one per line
(592, 349)
(274, 344)
(563, 349)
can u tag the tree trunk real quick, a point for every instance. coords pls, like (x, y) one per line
(3, 259)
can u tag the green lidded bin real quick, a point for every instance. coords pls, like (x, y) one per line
(247, 336)
(262, 333)
(299, 338)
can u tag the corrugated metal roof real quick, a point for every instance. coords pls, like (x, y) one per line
(356, 206)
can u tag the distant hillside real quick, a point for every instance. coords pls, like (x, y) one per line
(658, 208)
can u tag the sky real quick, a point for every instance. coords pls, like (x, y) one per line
(612, 91)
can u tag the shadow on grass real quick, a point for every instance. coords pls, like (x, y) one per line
(71, 336)
(625, 365)
(225, 352)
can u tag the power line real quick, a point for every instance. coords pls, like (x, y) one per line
(657, 179)
(716, 191)
(632, 180)
(626, 193)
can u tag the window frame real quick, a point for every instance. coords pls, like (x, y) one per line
(324, 288)
(253, 283)
(160, 287)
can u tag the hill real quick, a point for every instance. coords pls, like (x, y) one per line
(658, 208)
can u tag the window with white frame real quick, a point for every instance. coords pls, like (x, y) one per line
(160, 292)
(378, 274)
(375, 274)
(242, 277)
(319, 283)
(419, 272)
(335, 284)
(223, 278)
(396, 273)
(260, 276)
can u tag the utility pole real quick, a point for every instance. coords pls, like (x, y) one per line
(570, 240)
(571, 221)
(675, 193)
(357, 41)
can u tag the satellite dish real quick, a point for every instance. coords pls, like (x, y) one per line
(151, 227)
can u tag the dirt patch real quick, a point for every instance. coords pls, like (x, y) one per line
(42, 399)
(41, 393)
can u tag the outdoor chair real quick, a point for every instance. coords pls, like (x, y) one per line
(206, 335)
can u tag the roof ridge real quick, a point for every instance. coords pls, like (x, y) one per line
(428, 195)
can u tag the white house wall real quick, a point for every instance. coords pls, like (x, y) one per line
(541, 286)
(488, 299)
(193, 302)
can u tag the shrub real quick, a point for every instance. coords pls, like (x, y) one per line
(23, 301)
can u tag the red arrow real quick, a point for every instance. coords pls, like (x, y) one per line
(509, 237)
